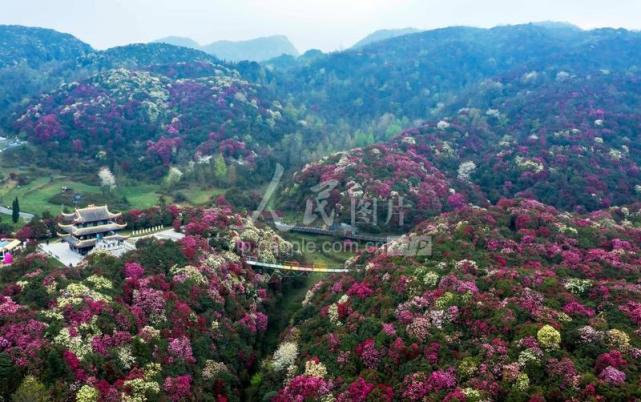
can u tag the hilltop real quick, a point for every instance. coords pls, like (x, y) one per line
(258, 49)
(383, 34)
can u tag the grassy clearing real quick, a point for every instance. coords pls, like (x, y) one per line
(142, 195)
(36, 196)
(196, 195)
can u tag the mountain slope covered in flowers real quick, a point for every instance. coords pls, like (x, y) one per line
(406, 186)
(174, 113)
(570, 141)
(33, 60)
(169, 321)
(517, 301)
(514, 149)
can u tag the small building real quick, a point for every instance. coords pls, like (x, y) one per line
(7, 246)
(87, 226)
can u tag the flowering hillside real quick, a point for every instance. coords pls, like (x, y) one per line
(567, 141)
(170, 321)
(517, 302)
(389, 174)
(143, 55)
(159, 120)
(529, 73)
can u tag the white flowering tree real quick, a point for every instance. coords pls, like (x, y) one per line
(107, 179)
(173, 177)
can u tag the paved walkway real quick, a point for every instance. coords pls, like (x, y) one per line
(169, 234)
(27, 217)
(61, 252)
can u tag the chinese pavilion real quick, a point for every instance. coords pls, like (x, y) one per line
(87, 226)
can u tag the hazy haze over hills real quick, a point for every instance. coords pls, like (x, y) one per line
(179, 41)
(259, 49)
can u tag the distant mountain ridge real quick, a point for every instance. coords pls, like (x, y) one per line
(258, 49)
(415, 75)
(179, 41)
(383, 34)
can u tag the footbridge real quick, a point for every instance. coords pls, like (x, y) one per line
(296, 268)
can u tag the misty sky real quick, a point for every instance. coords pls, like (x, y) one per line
(322, 24)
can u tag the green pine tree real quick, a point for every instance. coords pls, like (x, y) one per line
(9, 375)
(15, 212)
